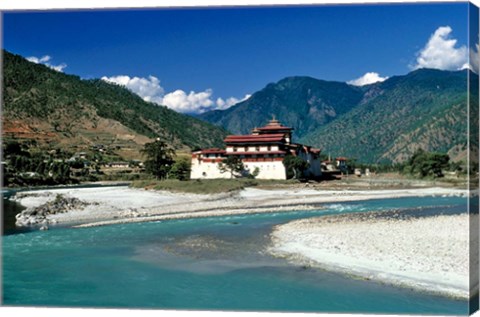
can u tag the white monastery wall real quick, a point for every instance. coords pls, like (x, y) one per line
(206, 170)
(267, 170)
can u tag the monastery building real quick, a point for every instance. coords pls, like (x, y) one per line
(263, 150)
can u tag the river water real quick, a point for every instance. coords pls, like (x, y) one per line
(202, 264)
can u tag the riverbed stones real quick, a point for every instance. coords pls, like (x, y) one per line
(425, 252)
(38, 216)
(133, 213)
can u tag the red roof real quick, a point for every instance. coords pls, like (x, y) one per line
(254, 138)
(341, 158)
(253, 153)
(211, 151)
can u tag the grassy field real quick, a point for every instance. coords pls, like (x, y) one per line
(207, 186)
(379, 181)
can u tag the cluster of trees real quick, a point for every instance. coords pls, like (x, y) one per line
(427, 164)
(234, 166)
(295, 166)
(384, 167)
(422, 164)
(161, 164)
(24, 167)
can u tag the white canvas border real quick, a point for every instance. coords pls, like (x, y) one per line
(13, 5)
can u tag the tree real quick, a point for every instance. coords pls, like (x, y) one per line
(14, 148)
(159, 158)
(425, 164)
(232, 164)
(295, 166)
(181, 169)
(255, 173)
(77, 163)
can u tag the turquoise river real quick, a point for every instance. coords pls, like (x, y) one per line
(216, 263)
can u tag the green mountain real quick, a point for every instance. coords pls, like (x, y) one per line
(65, 110)
(303, 103)
(382, 122)
(424, 109)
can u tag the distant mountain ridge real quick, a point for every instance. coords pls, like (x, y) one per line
(423, 109)
(302, 103)
(381, 122)
(70, 111)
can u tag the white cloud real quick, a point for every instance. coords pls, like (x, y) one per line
(193, 102)
(368, 78)
(225, 104)
(441, 52)
(58, 68)
(37, 60)
(199, 102)
(45, 61)
(149, 89)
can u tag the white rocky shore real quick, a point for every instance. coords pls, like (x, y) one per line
(113, 205)
(428, 254)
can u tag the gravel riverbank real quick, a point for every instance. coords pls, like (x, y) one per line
(112, 205)
(428, 253)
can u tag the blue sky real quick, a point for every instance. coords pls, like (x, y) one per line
(196, 59)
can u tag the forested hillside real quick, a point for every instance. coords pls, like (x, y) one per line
(64, 109)
(425, 109)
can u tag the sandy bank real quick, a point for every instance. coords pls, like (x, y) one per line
(428, 254)
(111, 205)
